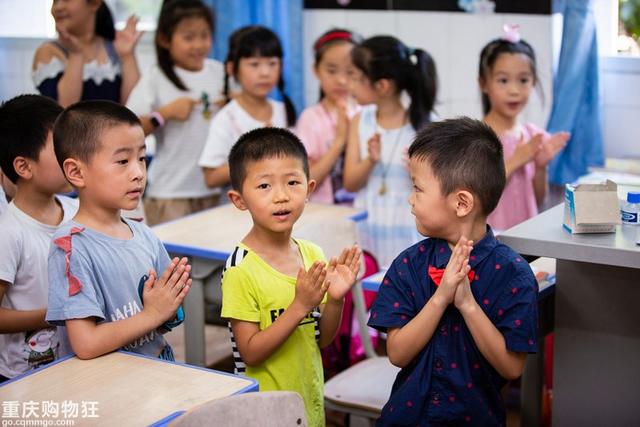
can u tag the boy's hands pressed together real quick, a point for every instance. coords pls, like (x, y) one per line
(464, 299)
(162, 296)
(310, 287)
(455, 272)
(342, 272)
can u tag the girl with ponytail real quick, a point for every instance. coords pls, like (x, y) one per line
(375, 166)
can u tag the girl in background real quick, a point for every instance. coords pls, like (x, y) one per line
(255, 62)
(89, 60)
(175, 101)
(323, 128)
(507, 74)
(375, 164)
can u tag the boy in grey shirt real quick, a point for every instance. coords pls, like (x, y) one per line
(98, 259)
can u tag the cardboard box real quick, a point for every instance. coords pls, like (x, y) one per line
(591, 208)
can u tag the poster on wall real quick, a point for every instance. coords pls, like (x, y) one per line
(538, 7)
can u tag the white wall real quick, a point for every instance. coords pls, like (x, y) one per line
(453, 39)
(620, 83)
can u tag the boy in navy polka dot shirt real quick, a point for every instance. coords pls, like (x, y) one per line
(459, 308)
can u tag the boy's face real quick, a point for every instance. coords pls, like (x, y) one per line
(47, 175)
(114, 178)
(274, 191)
(435, 213)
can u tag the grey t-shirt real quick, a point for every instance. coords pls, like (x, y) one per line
(109, 271)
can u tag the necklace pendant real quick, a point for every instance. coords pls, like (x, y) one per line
(383, 189)
(206, 114)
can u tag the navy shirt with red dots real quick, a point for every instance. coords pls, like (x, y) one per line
(449, 382)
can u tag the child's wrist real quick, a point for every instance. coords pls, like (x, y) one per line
(128, 56)
(439, 301)
(468, 307)
(165, 112)
(298, 309)
(336, 302)
(152, 316)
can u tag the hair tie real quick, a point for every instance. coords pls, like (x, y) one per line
(511, 33)
(334, 35)
(411, 55)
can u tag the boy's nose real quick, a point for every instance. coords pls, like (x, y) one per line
(281, 195)
(139, 171)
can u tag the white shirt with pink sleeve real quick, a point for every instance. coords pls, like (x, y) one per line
(316, 128)
(518, 201)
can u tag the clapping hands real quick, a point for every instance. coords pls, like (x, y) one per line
(456, 271)
(336, 277)
(342, 272)
(550, 148)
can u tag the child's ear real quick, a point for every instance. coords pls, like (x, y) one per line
(237, 200)
(95, 4)
(382, 85)
(228, 67)
(163, 41)
(74, 172)
(483, 84)
(22, 166)
(464, 203)
(311, 185)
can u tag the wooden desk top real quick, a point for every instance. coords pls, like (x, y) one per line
(212, 234)
(129, 389)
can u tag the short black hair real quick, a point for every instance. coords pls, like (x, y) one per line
(263, 143)
(76, 133)
(463, 153)
(25, 122)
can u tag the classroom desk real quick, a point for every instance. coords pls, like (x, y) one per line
(119, 388)
(596, 373)
(208, 237)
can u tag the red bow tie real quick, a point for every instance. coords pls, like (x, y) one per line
(437, 273)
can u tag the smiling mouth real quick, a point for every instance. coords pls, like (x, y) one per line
(281, 213)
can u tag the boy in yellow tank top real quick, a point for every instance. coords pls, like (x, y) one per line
(284, 302)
